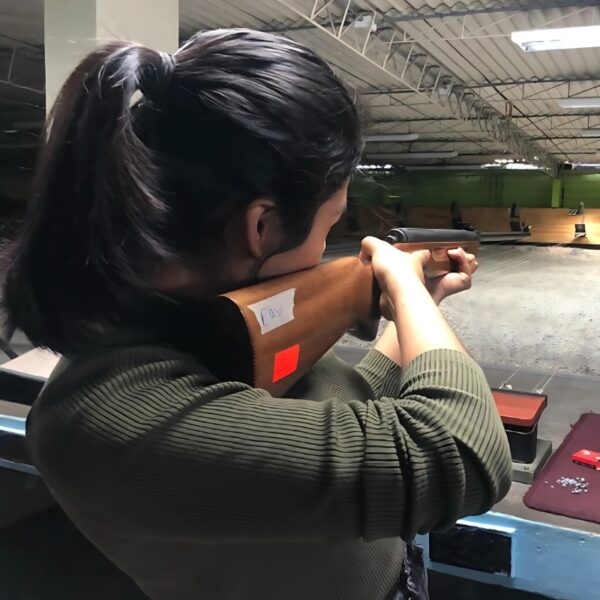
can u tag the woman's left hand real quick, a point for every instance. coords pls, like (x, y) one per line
(452, 283)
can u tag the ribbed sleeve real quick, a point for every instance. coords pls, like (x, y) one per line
(381, 373)
(443, 439)
(331, 377)
(191, 457)
(375, 376)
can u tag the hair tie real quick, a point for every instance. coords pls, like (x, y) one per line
(155, 76)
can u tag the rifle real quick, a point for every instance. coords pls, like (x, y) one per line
(271, 333)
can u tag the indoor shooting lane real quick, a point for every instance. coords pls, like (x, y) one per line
(528, 321)
(481, 115)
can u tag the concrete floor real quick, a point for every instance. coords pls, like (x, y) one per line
(530, 307)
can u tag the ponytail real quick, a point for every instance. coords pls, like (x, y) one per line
(124, 188)
(96, 215)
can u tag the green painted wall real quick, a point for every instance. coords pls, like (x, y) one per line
(581, 187)
(557, 193)
(474, 188)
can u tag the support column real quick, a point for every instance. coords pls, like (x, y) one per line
(73, 28)
(557, 193)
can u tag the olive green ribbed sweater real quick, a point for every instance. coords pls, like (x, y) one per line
(201, 489)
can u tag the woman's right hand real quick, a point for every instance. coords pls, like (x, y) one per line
(395, 271)
(405, 300)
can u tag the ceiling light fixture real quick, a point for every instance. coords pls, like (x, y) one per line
(374, 167)
(511, 166)
(402, 155)
(521, 167)
(579, 102)
(591, 133)
(392, 137)
(566, 38)
(444, 168)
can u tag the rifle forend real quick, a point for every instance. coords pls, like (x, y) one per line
(271, 333)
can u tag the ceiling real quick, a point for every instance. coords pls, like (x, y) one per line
(445, 70)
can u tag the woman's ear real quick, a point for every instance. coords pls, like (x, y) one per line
(262, 228)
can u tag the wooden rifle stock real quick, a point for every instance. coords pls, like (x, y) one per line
(271, 333)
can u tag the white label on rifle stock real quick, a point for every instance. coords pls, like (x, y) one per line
(275, 311)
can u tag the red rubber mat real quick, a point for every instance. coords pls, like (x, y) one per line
(548, 495)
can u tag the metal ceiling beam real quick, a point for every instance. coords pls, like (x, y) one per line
(7, 41)
(357, 27)
(463, 155)
(18, 86)
(8, 78)
(468, 140)
(488, 84)
(514, 118)
(463, 9)
(575, 152)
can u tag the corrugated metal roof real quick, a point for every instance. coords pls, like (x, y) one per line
(484, 49)
(476, 48)
(21, 22)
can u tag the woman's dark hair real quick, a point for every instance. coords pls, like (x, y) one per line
(123, 186)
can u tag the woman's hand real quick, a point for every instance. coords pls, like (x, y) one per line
(453, 283)
(419, 324)
(395, 271)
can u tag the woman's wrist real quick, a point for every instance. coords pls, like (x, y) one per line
(420, 324)
(406, 292)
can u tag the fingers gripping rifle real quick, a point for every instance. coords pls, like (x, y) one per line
(270, 334)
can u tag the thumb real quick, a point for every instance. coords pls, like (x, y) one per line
(367, 248)
(456, 253)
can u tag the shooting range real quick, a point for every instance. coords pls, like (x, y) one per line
(477, 118)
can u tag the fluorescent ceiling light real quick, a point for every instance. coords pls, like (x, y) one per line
(397, 155)
(522, 167)
(445, 168)
(557, 39)
(585, 165)
(590, 133)
(513, 166)
(579, 102)
(375, 167)
(392, 137)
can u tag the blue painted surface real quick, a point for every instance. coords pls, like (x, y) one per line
(12, 425)
(560, 563)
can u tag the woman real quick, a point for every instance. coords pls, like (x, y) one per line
(232, 166)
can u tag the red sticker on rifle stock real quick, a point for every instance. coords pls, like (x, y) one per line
(286, 362)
